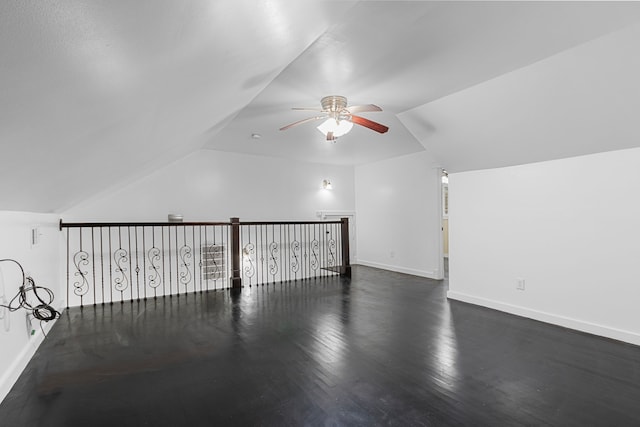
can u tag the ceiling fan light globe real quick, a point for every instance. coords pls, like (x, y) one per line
(338, 128)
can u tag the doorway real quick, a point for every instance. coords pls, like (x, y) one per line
(444, 179)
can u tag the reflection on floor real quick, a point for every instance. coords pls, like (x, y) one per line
(382, 349)
(446, 267)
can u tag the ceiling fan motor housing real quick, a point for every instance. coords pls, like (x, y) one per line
(334, 103)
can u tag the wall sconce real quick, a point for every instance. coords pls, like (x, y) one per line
(326, 184)
(445, 177)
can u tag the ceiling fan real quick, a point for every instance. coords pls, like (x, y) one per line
(339, 117)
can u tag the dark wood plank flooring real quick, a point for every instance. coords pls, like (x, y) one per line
(381, 349)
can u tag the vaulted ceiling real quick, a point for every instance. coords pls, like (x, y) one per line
(95, 92)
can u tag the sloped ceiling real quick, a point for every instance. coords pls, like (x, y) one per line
(582, 101)
(96, 92)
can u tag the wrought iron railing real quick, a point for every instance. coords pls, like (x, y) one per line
(279, 252)
(116, 262)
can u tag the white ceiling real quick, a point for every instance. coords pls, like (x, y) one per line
(96, 92)
(582, 101)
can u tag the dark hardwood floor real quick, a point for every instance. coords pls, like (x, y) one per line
(382, 349)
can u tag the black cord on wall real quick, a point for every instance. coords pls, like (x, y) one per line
(42, 311)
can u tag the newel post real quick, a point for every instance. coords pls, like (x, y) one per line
(236, 280)
(345, 270)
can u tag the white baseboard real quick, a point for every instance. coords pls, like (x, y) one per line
(567, 322)
(21, 361)
(421, 273)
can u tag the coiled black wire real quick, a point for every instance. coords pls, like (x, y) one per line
(42, 311)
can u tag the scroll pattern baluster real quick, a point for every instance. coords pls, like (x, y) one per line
(273, 259)
(121, 259)
(185, 273)
(332, 252)
(116, 262)
(315, 247)
(155, 279)
(295, 257)
(81, 261)
(248, 260)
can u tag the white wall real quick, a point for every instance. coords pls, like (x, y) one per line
(214, 186)
(398, 210)
(570, 228)
(42, 262)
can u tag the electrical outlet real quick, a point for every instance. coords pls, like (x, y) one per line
(520, 284)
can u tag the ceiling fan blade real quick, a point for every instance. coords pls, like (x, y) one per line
(369, 124)
(307, 109)
(363, 108)
(299, 122)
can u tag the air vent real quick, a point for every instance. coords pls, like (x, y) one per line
(213, 262)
